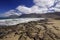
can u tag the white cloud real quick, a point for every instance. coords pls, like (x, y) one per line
(33, 9)
(11, 12)
(44, 3)
(57, 7)
(41, 6)
(24, 9)
(37, 9)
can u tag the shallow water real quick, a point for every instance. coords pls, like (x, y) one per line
(17, 21)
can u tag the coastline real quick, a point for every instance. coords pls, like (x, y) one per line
(33, 30)
(16, 21)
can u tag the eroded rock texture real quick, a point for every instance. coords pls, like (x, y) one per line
(39, 30)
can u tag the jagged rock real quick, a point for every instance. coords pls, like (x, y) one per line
(34, 30)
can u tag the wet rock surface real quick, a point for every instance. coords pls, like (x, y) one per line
(34, 30)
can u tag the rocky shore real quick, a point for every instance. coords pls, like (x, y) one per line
(35, 30)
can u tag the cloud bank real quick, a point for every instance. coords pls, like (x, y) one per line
(41, 6)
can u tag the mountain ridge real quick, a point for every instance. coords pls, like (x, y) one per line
(34, 15)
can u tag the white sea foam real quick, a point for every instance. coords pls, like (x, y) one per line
(17, 21)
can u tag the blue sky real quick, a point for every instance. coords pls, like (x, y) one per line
(6, 5)
(18, 7)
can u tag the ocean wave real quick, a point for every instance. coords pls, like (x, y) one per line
(17, 21)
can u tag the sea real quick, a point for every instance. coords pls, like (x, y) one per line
(16, 21)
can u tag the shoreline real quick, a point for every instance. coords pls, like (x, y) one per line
(9, 22)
